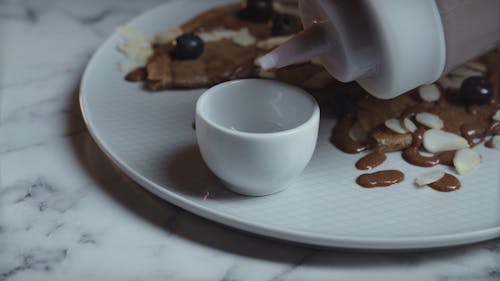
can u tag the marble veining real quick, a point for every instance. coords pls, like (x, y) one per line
(67, 213)
(36, 260)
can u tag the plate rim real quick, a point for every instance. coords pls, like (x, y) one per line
(290, 235)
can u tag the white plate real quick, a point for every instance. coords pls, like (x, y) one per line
(150, 137)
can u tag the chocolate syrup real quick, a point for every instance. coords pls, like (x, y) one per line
(371, 160)
(418, 137)
(380, 179)
(471, 132)
(343, 141)
(473, 109)
(446, 157)
(447, 183)
(421, 107)
(493, 129)
(412, 155)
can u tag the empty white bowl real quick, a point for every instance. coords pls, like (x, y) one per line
(256, 135)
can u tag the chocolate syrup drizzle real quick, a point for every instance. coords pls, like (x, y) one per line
(447, 183)
(371, 160)
(380, 179)
(342, 140)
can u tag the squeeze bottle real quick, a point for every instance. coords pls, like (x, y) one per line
(390, 46)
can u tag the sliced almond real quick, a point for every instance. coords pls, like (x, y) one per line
(395, 126)
(466, 160)
(430, 120)
(437, 140)
(496, 116)
(409, 125)
(429, 93)
(429, 177)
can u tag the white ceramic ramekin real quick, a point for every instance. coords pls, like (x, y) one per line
(256, 135)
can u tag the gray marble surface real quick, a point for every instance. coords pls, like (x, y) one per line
(66, 213)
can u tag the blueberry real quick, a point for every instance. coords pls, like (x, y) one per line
(285, 24)
(476, 90)
(187, 47)
(257, 10)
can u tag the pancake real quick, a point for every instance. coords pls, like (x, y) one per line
(224, 59)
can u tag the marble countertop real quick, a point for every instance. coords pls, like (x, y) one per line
(66, 213)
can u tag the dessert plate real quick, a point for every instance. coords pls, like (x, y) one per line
(151, 138)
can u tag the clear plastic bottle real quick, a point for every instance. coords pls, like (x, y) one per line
(390, 46)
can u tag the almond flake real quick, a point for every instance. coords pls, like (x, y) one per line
(429, 93)
(395, 126)
(430, 120)
(409, 125)
(496, 116)
(429, 177)
(437, 141)
(466, 160)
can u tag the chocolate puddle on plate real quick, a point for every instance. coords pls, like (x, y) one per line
(412, 155)
(342, 139)
(474, 133)
(380, 178)
(447, 183)
(371, 160)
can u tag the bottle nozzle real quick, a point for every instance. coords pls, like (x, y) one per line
(309, 43)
